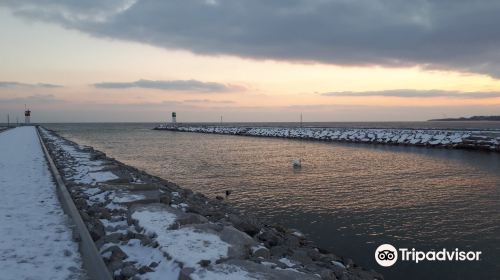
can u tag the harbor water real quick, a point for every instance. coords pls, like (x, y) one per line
(348, 198)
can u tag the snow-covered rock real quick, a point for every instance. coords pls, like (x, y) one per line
(423, 137)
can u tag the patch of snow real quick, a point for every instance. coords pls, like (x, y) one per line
(187, 245)
(144, 256)
(271, 264)
(106, 255)
(223, 271)
(183, 206)
(92, 191)
(154, 222)
(102, 176)
(114, 206)
(257, 247)
(99, 198)
(127, 197)
(36, 241)
(287, 262)
(190, 246)
(84, 170)
(109, 224)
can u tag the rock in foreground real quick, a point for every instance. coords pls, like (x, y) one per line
(148, 228)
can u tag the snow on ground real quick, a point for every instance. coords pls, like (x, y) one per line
(186, 245)
(189, 245)
(36, 242)
(153, 221)
(85, 170)
(144, 256)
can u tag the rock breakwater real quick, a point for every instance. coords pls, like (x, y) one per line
(146, 227)
(467, 139)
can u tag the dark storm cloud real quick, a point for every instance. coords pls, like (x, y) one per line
(446, 34)
(4, 84)
(175, 85)
(410, 93)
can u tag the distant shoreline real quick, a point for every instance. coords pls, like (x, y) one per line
(473, 118)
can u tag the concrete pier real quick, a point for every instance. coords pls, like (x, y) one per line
(36, 238)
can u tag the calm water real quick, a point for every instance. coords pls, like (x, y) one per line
(349, 198)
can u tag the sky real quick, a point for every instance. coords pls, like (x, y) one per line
(258, 60)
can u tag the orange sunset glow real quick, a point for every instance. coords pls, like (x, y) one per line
(75, 62)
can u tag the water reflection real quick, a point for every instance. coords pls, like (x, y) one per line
(348, 197)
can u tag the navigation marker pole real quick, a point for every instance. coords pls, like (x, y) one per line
(27, 115)
(174, 119)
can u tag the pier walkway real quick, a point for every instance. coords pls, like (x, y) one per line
(35, 238)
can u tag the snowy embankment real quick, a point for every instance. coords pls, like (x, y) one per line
(35, 238)
(484, 140)
(148, 228)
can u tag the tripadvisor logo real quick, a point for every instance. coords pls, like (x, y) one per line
(387, 255)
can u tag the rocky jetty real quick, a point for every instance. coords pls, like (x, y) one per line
(146, 227)
(475, 140)
(473, 118)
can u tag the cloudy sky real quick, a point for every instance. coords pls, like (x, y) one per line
(249, 60)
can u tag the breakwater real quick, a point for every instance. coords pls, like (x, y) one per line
(457, 139)
(145, 227)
